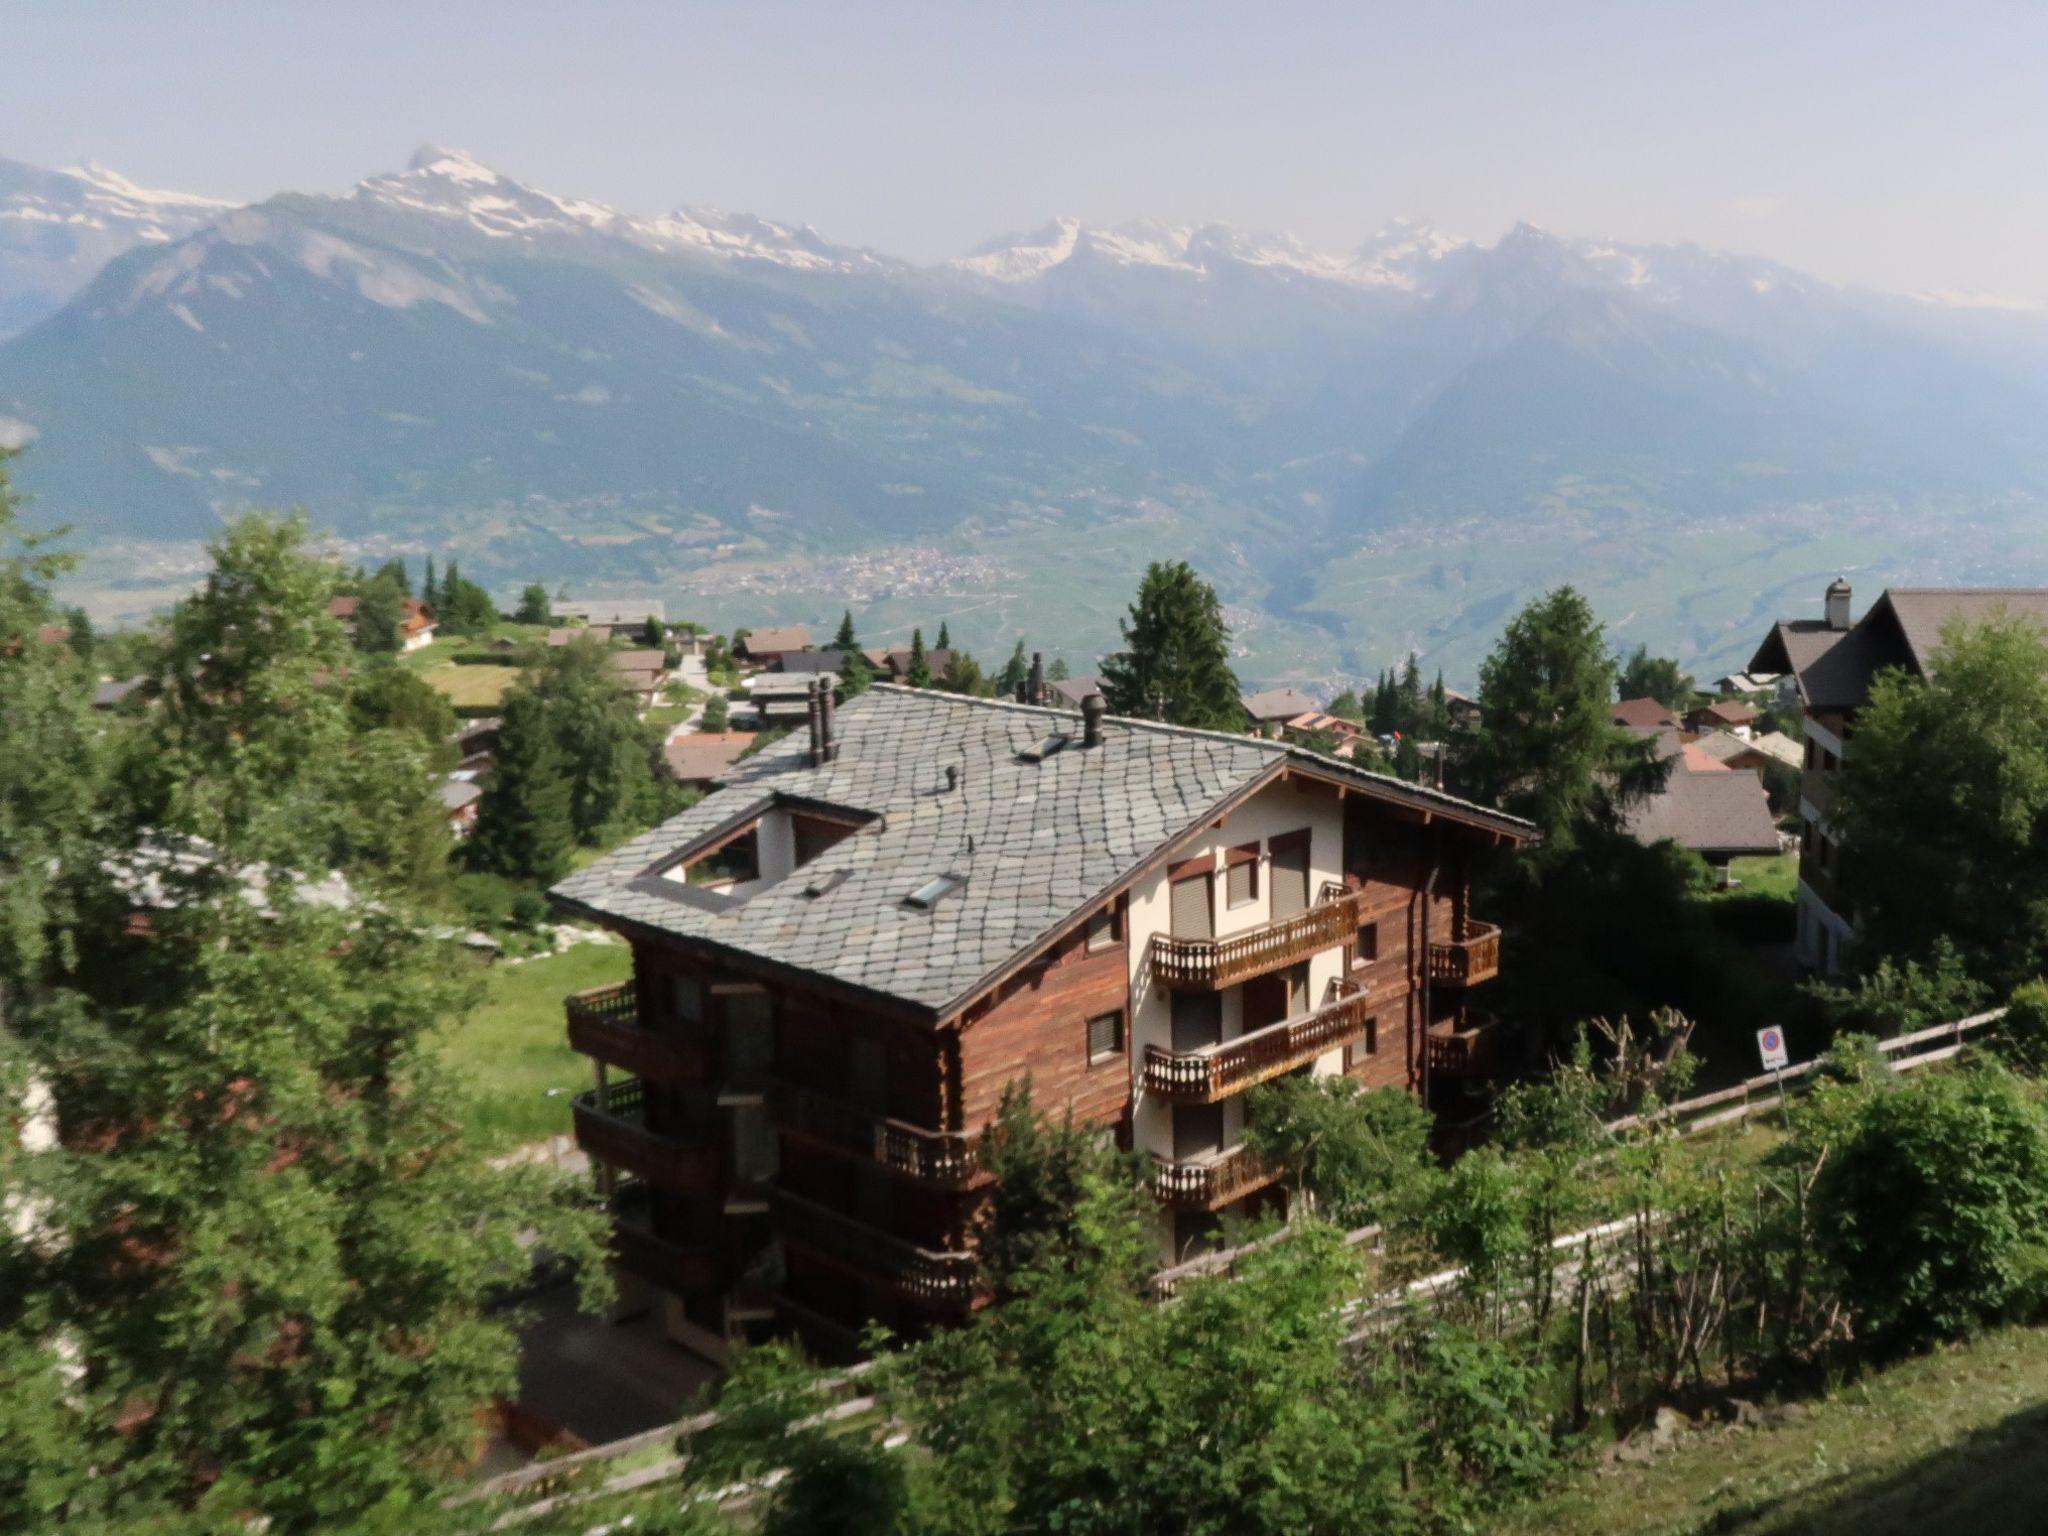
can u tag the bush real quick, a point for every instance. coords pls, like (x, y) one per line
(1932, 1208)
(2023, 1034)
(1755, 917)
(531, 911)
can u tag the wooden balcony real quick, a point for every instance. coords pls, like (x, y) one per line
(1467, 961)
(617, 1136)
(1202, 965)
(945, 1159)
(1208, 1184)
(1474, 1045)
(1218, 1071)
(676, 1267)
(938, 1278)
(605, 1023)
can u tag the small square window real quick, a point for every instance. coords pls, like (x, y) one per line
(1368, 942)
(1102, 931)
(1105, 1037)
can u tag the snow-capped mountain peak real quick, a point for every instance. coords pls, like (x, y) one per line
(112, 189)
(454, 184)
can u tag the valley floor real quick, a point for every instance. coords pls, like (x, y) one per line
(1950, 1444)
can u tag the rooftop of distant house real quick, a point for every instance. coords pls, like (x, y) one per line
(977, 830)
(701, 757)
(1718, 812)
(773, 642)
(613, 613)
(1643, 714)
(1277, 705)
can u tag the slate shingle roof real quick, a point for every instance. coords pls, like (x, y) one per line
(1038, 842)
(1716, 813)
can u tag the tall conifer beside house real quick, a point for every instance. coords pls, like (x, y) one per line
(855, 670)
(919, 672)
(523, 826)
(1175, 665)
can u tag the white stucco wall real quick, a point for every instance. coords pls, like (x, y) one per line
(1275, 812)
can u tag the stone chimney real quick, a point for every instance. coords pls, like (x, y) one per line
(1035, 684)
(814, 710)
(1838, 603)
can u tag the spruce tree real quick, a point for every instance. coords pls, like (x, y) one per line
(1058, 672)
(963, 675)
(919, 672)
(1346, 706)
(1175, 665)
(1015, 674)
(430, 590)
(380, 610)
(945, 642)
(523, 827)
(855, 670)
(533, 604)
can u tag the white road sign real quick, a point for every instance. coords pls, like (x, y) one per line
(1770, 1044)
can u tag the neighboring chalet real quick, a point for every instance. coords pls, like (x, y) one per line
(846, 955)
(1464, 710)
(698, 760)
(1068, 692)
(1730, 715)
(459, 799)
(1832, 663)
(1709, 808)
(612, 618)
(1733, 751)
(476, 743)
(1268, 712)
(416, 630)
(767, 647)
(642, 672)
(1344, 733)
(892, 665)
(1644, 714)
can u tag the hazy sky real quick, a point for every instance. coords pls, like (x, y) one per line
(1904, 146)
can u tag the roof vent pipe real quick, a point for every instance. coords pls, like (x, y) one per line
(828, 711)
(815, 713)
(1093, 708)
(952, 777)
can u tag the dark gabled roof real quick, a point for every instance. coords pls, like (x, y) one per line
(1834, 668)
(1717, 812)
(1040, 843)
(812, 661)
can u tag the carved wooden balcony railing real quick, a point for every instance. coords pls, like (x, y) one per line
(1217, 1071)
(1476, 1045)
(943, 1158)
(939, 1278)
(605, 1023)
(616, 1135)
(1197, 965)
(1207, 1184)
(676, 1267)
(1467, 961)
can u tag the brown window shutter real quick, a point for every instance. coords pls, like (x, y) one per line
(1192, 915)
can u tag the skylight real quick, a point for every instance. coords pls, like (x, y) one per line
(933, 891)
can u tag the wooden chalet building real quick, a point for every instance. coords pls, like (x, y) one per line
(1832, 662)
(845, 954)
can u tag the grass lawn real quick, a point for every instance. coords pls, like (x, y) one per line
(515, 1047)
(473, 684)
(1774, 876)
(1954, 1443)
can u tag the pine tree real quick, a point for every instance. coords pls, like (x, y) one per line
(430, 591)
(1346, 706)
(393, 571)
(380, 610)
(963, 675)
(1058, 672)
(1175, 665)
(523, 827)
(855, 670)
(945, 642)
(919, 672)
(533, 604)
(1015, 674)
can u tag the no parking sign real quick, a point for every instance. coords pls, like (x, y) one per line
(1770, 1044)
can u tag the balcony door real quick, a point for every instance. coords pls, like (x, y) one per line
(1197, 1020)
(1197, 1131)
(1275, 996)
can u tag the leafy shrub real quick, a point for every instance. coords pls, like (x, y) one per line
(1932, 1208)
(1356, 1152)
(1896, 999)
(530, 911)
(2023, 1034)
